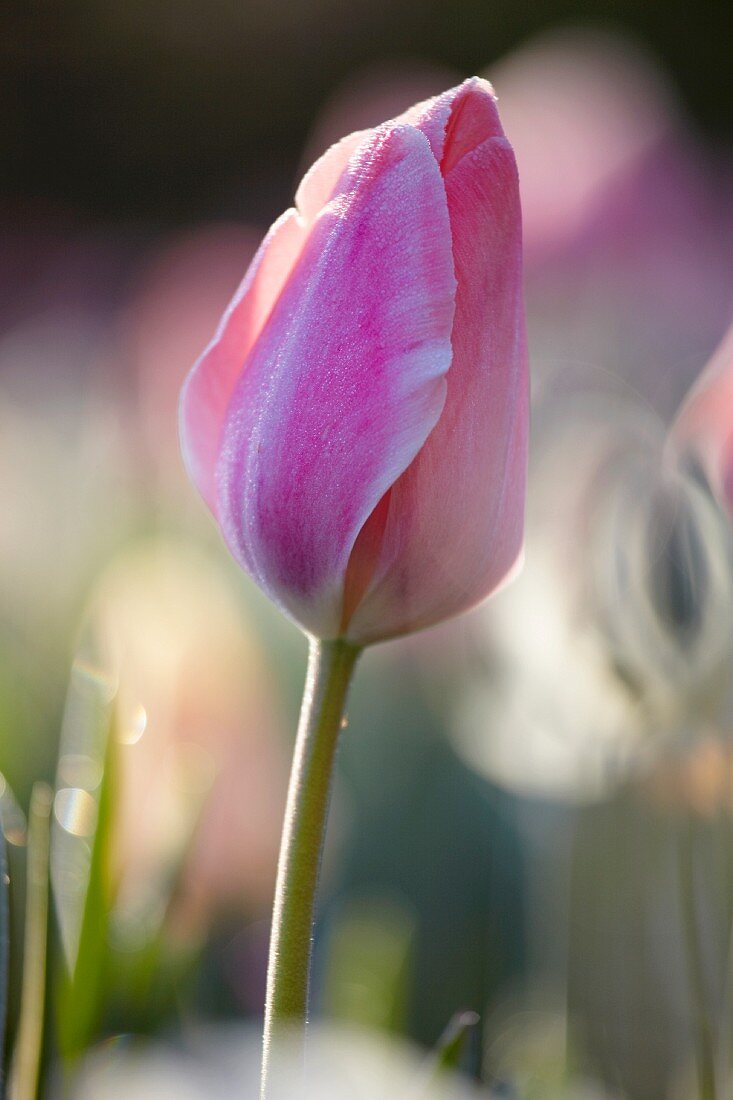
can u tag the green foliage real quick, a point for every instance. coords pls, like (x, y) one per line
(4, 944)
(81, 988)
(453, 1041)
(367, 975)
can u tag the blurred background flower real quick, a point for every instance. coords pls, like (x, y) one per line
(627, 213)
(170, 316)
(225, 1062)
(616, 637)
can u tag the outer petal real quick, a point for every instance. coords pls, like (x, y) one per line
(346, 380)
(454, 526)
(319, 184)
(209, 386)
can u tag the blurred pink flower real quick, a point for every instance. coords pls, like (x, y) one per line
(170, 317)
(705, 422)
(626, 212)
(358, 426)
(582, 110)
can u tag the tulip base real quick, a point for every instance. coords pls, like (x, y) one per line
(330, 668)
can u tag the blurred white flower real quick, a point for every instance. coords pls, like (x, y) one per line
(617, 634)
(225, 1064)
(60, 465)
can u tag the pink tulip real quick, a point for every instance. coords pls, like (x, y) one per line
(358, 426)
(704, 426)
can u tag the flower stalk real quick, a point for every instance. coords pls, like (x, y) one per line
(330, 667)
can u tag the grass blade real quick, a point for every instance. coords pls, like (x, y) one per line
(4, 948)
(81, 988)
(24, 1069)
(453, 1041)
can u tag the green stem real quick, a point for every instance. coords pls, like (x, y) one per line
(702, 1027)
(24, 1070)
(330, 666)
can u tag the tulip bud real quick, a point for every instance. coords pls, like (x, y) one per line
(358, 425)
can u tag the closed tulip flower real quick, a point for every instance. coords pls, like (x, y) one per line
(358, 426)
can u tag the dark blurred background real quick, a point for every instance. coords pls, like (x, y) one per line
(168, 111)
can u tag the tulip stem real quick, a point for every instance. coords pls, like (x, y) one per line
(330, 667)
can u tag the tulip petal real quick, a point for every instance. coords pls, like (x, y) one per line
(346, 380)
(457, 121)
(320, 181)
(209, 386)
(455, 522)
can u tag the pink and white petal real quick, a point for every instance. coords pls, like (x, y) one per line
(208, 389)
(455, 522)
(458, 120)
(322, 178)
(474, 119)
(209, 386)
(346, 380)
